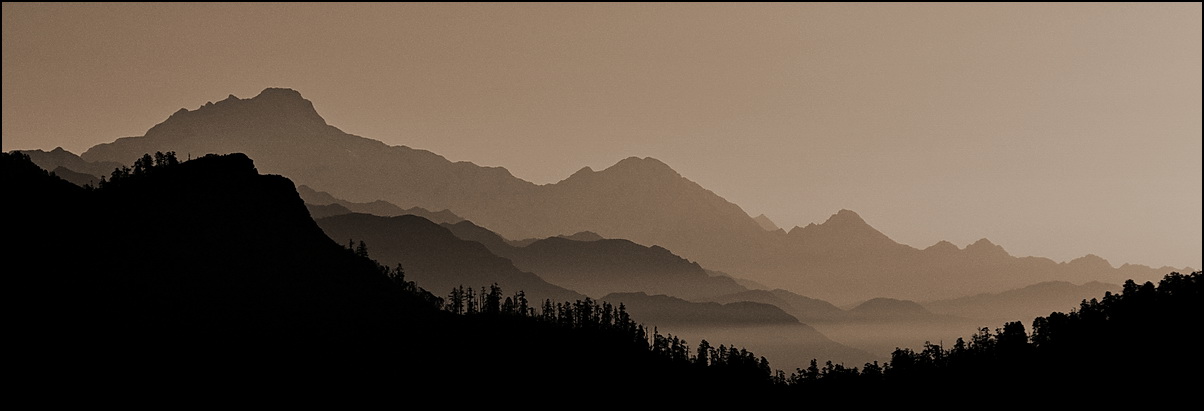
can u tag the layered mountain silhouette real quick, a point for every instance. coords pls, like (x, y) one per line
(58, 158)
(323, 211)
(435, 258)
(596, 266)
(378, 207)
(208, 269)
(79, 179)
(1023, 303)
(663, 310)
(764, 328)
(581, 236)
(640, 199)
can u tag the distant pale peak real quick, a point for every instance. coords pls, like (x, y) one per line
(1091, 261)
(631, 170)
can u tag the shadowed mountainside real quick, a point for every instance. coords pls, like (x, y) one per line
(640, 199)
(79, 179)
(323, 211)
(435, 258)
(379, 207)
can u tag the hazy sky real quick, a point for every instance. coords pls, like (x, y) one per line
(1052, 129)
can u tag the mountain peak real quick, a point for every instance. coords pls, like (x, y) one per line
(845, 216)
(985, 246)
(646, 164)
(278, 109)
(1091, 262)
(277, 93)
(843, 229)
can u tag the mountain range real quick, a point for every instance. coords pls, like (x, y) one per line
(639, 199)
(599, 266)
(378, 207)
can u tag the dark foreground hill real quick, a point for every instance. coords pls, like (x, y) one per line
(203, 271)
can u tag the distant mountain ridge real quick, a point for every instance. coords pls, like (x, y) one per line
(598, 267)
(435, 258)
(60, 158)
(663, 310)
(379, 207)
(639, 199)
(801, 307)
(1022, 304)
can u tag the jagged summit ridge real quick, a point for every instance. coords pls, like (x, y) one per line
(271, 107)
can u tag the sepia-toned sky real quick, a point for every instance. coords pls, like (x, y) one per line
(1052, 129)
